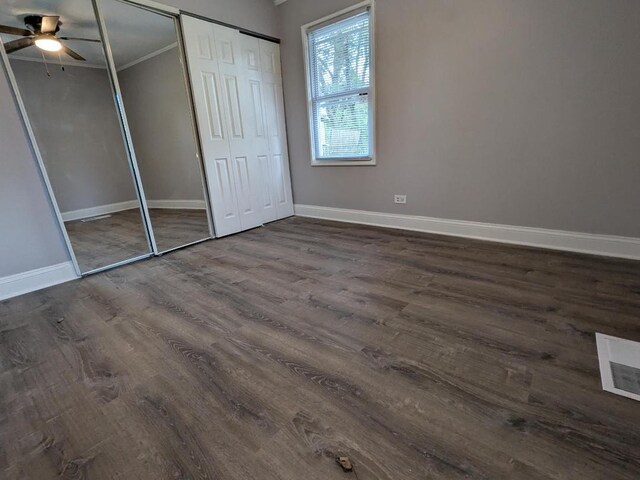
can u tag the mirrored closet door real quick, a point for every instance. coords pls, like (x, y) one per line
(102, 89)
(152, 79)
(57, 58)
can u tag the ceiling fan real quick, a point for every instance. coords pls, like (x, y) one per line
(41, 31)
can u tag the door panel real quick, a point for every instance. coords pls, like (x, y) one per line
(276, 128)
(279, 179)
(212, 105)
(233, 101)
(244, 186)
(240, 120)
(211, 112)
(269, 210)
(204, 46)
(227, 52)
(224, 186)
(252, 64)
(257, 109)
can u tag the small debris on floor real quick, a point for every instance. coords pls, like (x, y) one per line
(345, 463)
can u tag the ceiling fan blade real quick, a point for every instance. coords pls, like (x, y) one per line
(15, 45)
(72, 54)
(49, 24)
(79, 39)
(15, 31)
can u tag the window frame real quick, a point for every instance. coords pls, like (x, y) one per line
(306, 30)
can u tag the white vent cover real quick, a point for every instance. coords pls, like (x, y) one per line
(619, 365)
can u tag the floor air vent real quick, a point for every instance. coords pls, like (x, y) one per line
(619, 365)
(625, 377)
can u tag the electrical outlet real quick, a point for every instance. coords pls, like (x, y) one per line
(402, 199)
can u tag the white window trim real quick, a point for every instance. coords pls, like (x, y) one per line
(372, 90)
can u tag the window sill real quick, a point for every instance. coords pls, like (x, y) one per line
(344, 162)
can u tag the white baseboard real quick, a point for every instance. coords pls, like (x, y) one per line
(118, 207)
(99, 210)
(33, 280)
(606, 245)
(177, 204)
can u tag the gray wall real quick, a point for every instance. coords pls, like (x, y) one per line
(76, 126)
(30, 238)
(519, 112)
(158, 114)
(257, 15)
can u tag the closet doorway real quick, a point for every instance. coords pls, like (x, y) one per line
(153, 129)
(237, 85)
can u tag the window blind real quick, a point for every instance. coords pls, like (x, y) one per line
(339, 70)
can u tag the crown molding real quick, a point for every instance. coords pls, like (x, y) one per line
(91, 65)
(57, 62)
(148, 56)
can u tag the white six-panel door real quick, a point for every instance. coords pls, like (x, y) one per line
(243, 136)
(237, 89)
(211, 115)
(277, 131)
(251, 62)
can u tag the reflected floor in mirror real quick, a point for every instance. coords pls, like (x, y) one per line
(117, 236)
(107, 239)
(176, 227)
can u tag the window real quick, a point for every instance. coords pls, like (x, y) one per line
(339, 61)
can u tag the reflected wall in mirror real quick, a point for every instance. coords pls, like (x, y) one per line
(152, 80)
(70, 106)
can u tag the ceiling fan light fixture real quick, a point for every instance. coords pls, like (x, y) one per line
(48, 43)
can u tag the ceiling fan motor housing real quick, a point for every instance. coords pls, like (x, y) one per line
(35, 22)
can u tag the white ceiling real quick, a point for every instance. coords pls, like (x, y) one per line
(133, 32)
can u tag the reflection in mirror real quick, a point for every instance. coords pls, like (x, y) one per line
(58, 61)
(152, 81)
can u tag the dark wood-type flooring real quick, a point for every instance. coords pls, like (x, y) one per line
(266, 354)
(121, 235)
